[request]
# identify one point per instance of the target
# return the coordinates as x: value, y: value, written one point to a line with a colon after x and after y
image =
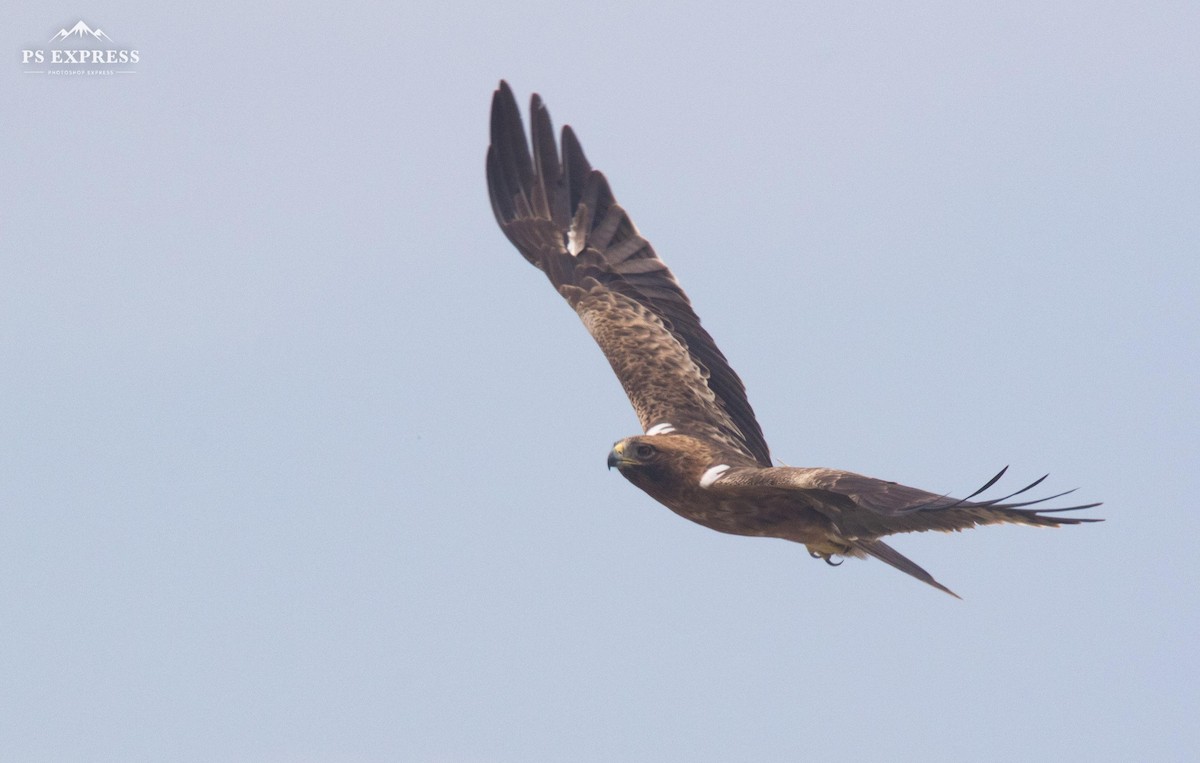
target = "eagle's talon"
x: 827, y: 558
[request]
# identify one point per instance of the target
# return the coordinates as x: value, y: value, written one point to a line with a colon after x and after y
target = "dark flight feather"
x: 562, y: 216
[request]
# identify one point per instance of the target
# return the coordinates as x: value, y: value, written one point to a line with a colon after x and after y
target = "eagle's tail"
x: 885, y: 553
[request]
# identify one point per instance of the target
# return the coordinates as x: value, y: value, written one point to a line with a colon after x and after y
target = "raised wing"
x: 561, y: 215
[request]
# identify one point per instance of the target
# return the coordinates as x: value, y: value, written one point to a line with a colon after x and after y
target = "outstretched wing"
x: 860, y: 510
x: 867, y: 508
x: 561, y: 215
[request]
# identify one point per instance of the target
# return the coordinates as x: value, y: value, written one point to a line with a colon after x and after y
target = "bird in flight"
x: 701, y: 453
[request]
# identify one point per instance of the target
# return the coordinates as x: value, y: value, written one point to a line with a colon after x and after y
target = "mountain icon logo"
x: 80, y: 30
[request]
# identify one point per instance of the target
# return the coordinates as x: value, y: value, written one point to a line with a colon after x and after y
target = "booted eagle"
x: 702, y: 453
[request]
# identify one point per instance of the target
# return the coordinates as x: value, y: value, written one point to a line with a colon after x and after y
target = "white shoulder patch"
x: 663, y: 428
x: 713, y: 474
x: 574, y: 241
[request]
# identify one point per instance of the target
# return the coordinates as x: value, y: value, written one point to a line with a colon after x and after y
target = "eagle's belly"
x: 765, y: 519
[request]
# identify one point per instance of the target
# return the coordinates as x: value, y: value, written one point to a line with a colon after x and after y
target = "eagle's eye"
x: 643, y: 450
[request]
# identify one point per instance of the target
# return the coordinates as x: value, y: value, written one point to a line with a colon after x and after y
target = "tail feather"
x: 885, y: 553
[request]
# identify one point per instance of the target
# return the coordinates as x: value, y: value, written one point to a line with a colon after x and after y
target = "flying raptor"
x: 702, y: 453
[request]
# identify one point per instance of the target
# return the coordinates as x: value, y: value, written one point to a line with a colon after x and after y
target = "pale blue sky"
x: 302, y: 461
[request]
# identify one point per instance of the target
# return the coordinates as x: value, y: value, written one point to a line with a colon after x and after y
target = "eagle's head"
x: 661, y: 464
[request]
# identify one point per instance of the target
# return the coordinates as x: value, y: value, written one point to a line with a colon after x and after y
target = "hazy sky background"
x: 302, y: 461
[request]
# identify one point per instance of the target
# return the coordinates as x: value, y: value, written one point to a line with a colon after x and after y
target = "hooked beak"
x: 616, y: 456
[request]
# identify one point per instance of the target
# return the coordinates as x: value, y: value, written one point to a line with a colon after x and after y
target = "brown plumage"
x: 703, y: 454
